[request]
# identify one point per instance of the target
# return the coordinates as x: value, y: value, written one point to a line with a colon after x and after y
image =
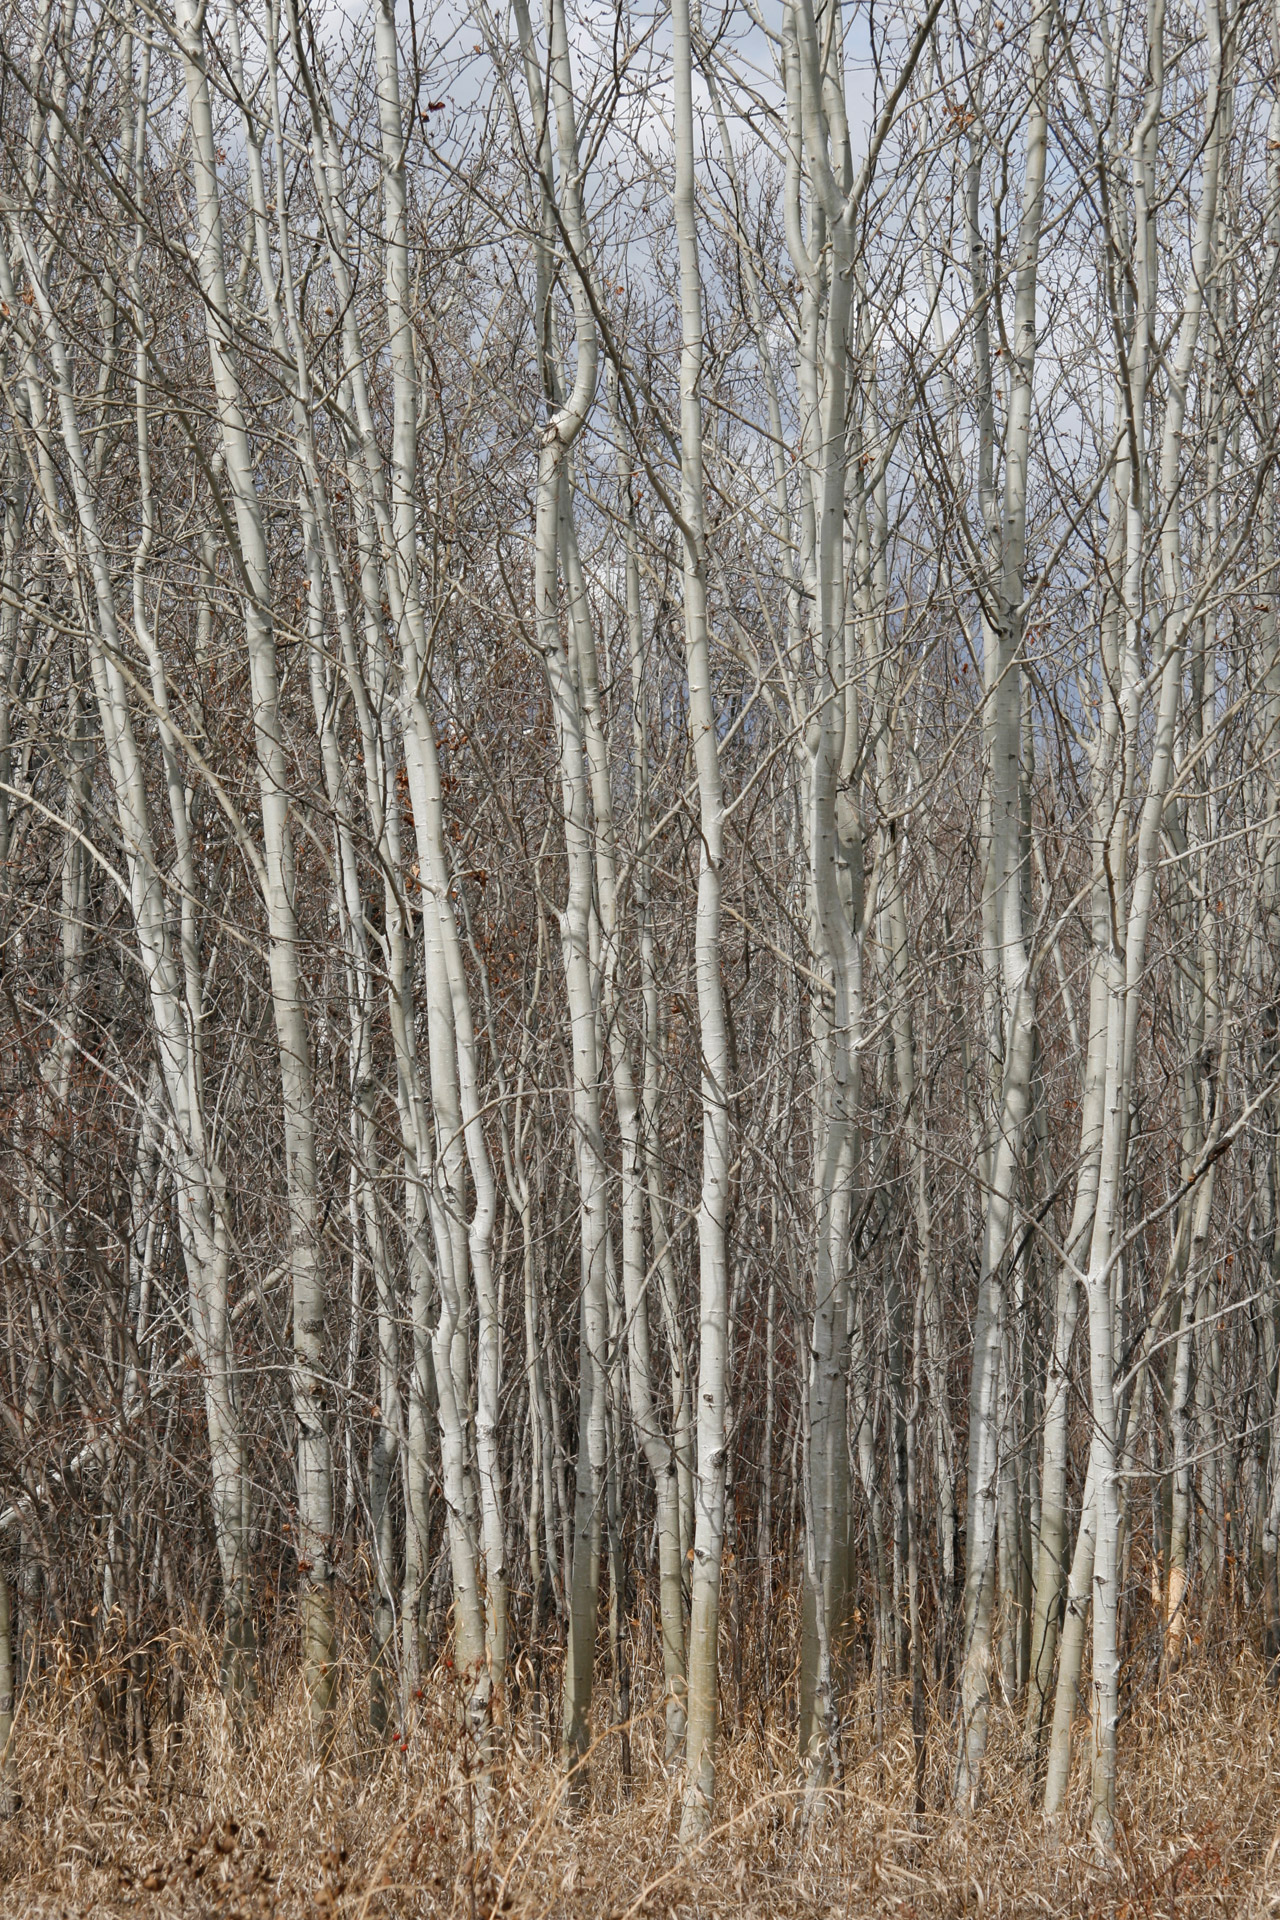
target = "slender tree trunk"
x: 713, y: 1285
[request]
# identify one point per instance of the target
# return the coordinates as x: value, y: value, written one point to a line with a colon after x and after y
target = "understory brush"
x: 247, y: 1822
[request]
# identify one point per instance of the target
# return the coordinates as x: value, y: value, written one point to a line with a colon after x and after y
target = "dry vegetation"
x: 241, y: 1827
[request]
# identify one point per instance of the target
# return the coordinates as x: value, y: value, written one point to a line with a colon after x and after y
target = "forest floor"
x: 241, y: 1828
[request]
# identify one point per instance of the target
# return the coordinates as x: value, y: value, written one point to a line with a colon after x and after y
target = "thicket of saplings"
x: 640, y: 956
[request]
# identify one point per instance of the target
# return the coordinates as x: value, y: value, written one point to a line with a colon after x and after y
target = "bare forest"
x: 639, y: 957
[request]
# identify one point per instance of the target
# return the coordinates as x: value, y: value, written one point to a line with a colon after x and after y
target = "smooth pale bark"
x: 437, y: 1206
x: 557, y: 141
x: 1051, y: 1566
x: 1103, y: 1462
x: 314, y: 1464
x: 1071, y: 1654
x: 638, y: 1124
x: 830, y: 771
x: 173, y: 988
x: 1181, y: 1415
x: 713, y: 1284
x: 1052, y: 1541
x: 863, y: 1390
x: 836, y: 925
x: 927, y: 1352
x: 659, y: 1449
x: 1011, y: 975
x: 1191, y: 825
x: 540, y: 1522
x: 1122, y: 970
x: 425, y: 789
x: 318, y: 539
x: 434, y: 1205
x: 1173, y: 630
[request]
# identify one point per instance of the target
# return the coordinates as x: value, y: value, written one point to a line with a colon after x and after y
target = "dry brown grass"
x: 247, y: 1826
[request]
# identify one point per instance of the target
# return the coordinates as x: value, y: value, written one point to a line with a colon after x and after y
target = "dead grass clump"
x: 246, y: 1824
